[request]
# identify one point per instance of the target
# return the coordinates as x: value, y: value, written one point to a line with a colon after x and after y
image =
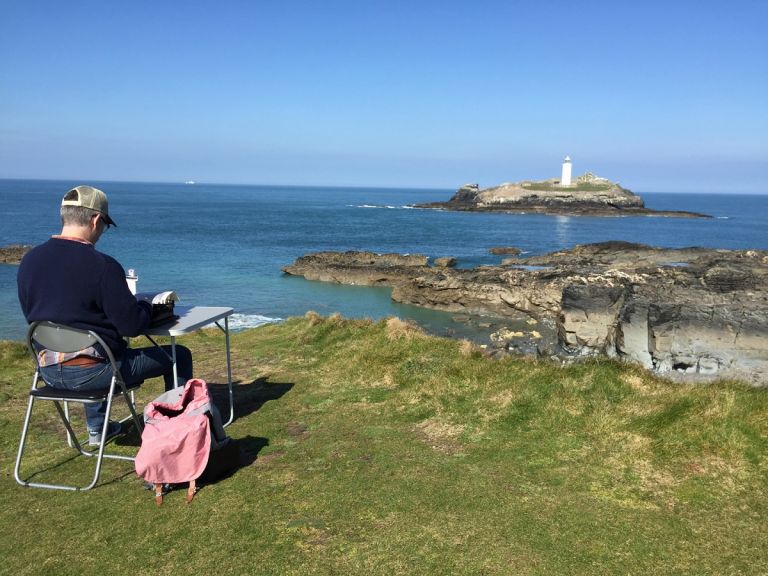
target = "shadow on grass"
x: 248, y: 398
x: 247, y: 450
x: 61, y: 463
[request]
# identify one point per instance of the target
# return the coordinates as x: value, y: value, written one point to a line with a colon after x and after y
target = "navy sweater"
x: 72, y: 283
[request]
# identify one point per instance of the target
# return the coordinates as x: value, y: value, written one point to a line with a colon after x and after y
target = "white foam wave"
x: 239, y: 322
x: 387, y: 206
x: 723, y: 218
x: 243, y: 321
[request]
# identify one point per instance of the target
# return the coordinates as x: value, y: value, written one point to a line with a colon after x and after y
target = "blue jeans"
x: 135, y: 365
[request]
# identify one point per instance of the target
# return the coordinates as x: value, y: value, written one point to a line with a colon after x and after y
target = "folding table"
x: 191, y: 319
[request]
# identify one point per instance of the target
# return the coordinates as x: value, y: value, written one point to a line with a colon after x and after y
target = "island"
x: 690, y: 312
x: 586, y: 195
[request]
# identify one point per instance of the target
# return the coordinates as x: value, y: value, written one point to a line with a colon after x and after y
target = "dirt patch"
x: 296, y: 430
x: 442, y: 436
x: 269, y: 458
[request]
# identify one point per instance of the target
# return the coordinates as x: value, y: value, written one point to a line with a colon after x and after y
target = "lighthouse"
x: 565, y: 180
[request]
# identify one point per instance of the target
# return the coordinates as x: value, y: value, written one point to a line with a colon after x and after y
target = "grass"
x: 370, y: 448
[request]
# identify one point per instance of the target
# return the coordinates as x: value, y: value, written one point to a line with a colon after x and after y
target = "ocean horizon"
x: 225, y: 244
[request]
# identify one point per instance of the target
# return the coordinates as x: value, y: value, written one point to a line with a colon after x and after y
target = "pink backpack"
x: 181, y: 428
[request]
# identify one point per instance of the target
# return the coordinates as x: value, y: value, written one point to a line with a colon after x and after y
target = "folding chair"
x: 60, y: 338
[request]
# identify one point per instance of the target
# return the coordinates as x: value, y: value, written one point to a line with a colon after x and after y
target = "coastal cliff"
x: 588, y: 196
x: 690, y: 312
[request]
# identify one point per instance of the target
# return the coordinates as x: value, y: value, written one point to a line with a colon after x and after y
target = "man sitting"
x: 67, y: 281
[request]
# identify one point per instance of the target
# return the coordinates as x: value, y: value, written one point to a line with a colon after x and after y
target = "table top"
x: 191, y: 318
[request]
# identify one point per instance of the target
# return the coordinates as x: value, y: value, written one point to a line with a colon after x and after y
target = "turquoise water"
x: 225, y: 245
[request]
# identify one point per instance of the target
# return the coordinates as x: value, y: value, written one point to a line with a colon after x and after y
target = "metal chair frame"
x: 61, y: 338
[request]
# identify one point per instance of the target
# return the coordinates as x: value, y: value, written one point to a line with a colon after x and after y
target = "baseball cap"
x: 91, y: 198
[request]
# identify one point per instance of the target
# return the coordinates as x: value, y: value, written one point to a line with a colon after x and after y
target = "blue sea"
x: 225, y: 245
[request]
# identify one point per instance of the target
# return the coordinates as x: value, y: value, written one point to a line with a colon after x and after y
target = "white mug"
x: 133, y: 280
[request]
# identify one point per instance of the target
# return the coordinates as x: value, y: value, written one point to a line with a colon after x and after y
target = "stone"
x: 505, y: 250
x: 445, y: 262
x: 356, y: 268
x: 13, y: 253
x: 691, y: 312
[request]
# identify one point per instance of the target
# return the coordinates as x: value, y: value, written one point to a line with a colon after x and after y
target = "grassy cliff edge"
x: 371, y: 448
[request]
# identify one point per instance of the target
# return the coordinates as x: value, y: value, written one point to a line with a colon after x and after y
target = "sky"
x: 661, y: 96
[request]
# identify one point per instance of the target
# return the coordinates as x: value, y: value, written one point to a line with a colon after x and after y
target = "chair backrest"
x: 61, y: 338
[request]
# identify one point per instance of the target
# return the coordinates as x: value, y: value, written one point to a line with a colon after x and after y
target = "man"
x: 66, y: 280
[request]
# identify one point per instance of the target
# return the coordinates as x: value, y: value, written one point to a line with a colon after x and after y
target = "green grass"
x: 372, y: 449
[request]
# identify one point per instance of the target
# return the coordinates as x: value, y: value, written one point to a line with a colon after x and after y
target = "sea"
x: 225, y: 245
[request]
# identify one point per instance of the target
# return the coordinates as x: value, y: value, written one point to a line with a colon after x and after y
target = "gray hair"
x: 75, y: 215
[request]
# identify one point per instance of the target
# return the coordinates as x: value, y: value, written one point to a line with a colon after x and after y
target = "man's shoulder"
x: 36, y: 252
x: 59, y: 248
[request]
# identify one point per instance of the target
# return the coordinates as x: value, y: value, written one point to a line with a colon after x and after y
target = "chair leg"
x: 100, y: 455
x: 132, y: 407
x: 22, y: 442
x: 70, y: 438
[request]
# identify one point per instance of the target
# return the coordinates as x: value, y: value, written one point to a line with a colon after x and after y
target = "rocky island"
x: 587, y: 195
x: 690, y: 312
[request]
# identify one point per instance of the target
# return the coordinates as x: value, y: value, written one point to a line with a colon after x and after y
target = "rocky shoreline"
x: 13, y: 253
x: 695, y: 313
x: 588, y: 199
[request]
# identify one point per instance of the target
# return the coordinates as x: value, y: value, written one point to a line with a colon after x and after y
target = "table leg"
x: 173, y: 357
x: 229, y: 373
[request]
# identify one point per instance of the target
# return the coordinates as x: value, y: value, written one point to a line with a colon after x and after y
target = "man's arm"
x: 129, y: 316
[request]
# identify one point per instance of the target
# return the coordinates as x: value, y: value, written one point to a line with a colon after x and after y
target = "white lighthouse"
x: 565, y: 180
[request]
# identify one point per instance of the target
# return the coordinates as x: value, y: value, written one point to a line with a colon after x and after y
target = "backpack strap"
x: 191, y: 491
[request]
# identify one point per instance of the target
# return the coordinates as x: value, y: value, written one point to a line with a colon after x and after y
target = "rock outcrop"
x: 445, y: 262
x: 687, y: 312
x: 588, y: 196
x: 13, y: 253
x: 357, y: 268
x: 504, y: 250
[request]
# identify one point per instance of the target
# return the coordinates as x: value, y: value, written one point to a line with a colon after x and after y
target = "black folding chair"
x: 60, y: 338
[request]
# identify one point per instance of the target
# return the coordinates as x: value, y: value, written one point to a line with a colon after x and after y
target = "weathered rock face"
x: 688, y: 312
x: 445, y: 262
x: 467, y: 193
x: 587, y: 198
x: 684, y: 322
x: 360, y: 268
x: 504, y: 250
x: 611, y: 195
x: 13, y: 254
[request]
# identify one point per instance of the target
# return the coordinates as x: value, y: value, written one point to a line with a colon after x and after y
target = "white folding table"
x: 191, y: 319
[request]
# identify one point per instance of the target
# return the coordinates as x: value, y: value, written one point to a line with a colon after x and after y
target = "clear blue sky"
x: 659, y: 95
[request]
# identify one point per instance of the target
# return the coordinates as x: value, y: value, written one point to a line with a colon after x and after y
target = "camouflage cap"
x: 91, y: 198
